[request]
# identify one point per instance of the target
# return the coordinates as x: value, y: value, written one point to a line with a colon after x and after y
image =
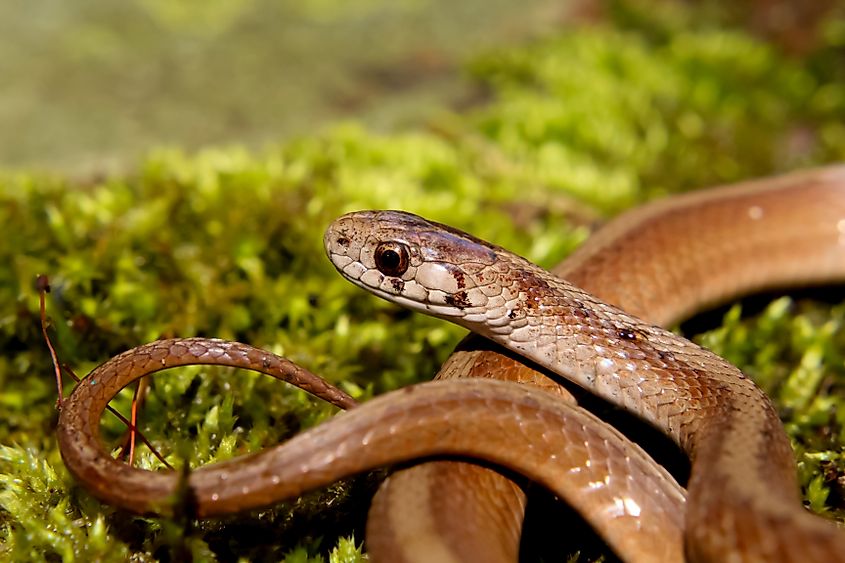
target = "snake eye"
x: 392, y: 258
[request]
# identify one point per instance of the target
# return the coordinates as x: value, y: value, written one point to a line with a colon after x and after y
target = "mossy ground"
x: 226, y: 242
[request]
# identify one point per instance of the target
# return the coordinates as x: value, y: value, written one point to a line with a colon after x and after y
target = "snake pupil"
x: 392, y: 259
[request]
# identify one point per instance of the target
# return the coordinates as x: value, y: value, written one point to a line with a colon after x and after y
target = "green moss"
x: 794, y: 351
x: 228, y: 243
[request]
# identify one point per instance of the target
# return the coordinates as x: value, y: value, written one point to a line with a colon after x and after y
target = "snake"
x: 678, y: 255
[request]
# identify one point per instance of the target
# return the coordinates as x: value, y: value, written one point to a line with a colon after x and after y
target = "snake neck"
x: 721, y: 419
x: 676, y: 385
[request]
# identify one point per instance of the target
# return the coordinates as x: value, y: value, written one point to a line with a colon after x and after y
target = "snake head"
x: 409, y: 260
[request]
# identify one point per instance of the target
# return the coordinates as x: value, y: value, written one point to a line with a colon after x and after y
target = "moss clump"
x: 228, y: 243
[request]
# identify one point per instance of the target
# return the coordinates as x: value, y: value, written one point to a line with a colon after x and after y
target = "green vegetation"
x: 227, y: 243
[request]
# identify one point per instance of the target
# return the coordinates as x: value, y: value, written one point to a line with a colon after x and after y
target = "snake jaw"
x: 408, y: 293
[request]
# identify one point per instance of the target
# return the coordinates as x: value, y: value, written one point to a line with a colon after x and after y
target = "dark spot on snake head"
x: 342, y: 241
x: 512, y: 314
x: 626, y: 334
x: 459, y: 300
x: 398, y: 284
x: 459, y: 279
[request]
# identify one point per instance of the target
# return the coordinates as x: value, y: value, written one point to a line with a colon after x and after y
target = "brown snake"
x: 742, y: 500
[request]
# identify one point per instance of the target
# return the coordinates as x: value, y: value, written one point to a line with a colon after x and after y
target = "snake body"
x: 660, y: 262
x: 742, y: 495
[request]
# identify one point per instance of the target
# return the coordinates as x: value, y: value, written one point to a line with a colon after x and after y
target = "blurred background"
x: 93, y: 83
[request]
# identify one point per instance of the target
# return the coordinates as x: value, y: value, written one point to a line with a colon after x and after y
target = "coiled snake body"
x: 742, y: 500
